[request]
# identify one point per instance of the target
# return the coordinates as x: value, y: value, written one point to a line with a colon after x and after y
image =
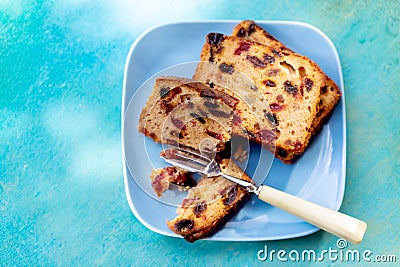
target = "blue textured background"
x: 62, y: 200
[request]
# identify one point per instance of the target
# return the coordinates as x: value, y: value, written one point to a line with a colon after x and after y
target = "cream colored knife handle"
x: 334, y: 222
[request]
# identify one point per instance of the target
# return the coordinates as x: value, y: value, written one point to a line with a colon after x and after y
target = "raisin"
x: 241, y: 32
x: 164, y: 92
x: 211, y: 58
x: 281, y: 152
x: 269, y: 59
x: 211, y: 84
x: 272, y: 118
x: 207, y: 93
x: 198, y: 117
x: 189, y: 105
x: 166, y: 106
x: 290, y: 88
x: 177, y: 122
x: 226, y: 68
x: 231, y: 196
x: 258, y: 63
x: 249, y: 133
x: 215, y: 38
x: 267, y: 135
x: 243, y: 46
x: 184, y: 180
x: 254, y: 87
x: 270, y: 83
x: 276, y: 107
x: 183, y: 225
x: 251, y: 29
x: 324, y: 89
x: 174, y: 133
x: 199, y: 208
x: 276, y: 53
x: 236, y: 120
x: 219, y: 113
x: 212, y: 105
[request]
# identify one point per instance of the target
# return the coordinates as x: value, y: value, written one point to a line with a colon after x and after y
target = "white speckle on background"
x: 115, y: 18
x: 86, y: 145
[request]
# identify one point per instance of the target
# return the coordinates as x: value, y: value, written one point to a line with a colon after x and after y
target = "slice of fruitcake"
x: 330, y: 93
x: 289, y: 82
x: 210, y: 204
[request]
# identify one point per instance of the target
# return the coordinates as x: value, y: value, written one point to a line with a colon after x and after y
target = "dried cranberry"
x: 243, y: 46
x: 174, y: 91
x: 308, y: 84
x: 188, y: 201
x: 177, y: 122
x: 158, y: 185
x: 267, y: 135
x: 269, y: 59
x: 276, y: 107
x: 199, y: 208
x: 231, y: 196
x: 183, y: 225
x: 272, y: 118
x: 241, y: 32
x: 280, y: 98
x: 270, y: 83
x: 207, y: 93
x: 215, y: 38
x: 226, y: 68
x: 273, y: 72
x: 227, y: 99
x: 290, y: 88
x: 166, y: 106
x: 258, y: 63
x: 169, y: 153
x: 298, y: 145
x: 215, y: 135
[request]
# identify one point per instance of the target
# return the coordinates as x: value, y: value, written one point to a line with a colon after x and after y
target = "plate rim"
x: 125, y: 103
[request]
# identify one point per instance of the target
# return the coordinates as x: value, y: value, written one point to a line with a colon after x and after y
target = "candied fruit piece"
x: 183, y: 225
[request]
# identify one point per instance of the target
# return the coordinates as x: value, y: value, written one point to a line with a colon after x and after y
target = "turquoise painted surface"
x: 62, y: 199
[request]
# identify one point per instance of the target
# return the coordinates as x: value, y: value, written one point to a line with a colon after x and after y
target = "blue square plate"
x: 318, y: 176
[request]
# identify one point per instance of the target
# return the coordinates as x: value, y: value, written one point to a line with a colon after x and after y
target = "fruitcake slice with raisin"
x: 210, y: 204
x: 195, y: 114
x: 330, y: 93
x: 289, y: 82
